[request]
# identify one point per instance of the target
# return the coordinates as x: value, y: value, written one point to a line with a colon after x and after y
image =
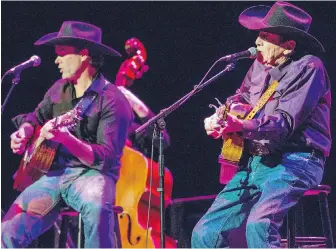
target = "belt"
x: 258, y: 149
x: 313, y: 151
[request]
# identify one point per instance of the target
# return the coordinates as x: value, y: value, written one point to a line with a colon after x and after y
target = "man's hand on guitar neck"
x: 215, y: 127
x: 20, y: 138
x: 79, y: 148
x: 49, y: 132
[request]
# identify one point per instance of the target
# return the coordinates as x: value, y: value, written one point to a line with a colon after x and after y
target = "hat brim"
x: 253, y: 19
x: 53, y: 39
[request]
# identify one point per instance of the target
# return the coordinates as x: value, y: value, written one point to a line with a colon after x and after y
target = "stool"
x: 67, y: 212
x: 321, y: 191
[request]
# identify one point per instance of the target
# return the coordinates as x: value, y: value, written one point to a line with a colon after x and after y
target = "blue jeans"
x: 86, y: 190
x: 257, y: 211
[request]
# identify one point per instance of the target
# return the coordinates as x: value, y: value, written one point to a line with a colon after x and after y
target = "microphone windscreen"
x: 36, y: 59
x: 253, y: 52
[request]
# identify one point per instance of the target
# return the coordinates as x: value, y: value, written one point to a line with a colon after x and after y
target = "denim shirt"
x: 104, y: 125
x: 298, y: 113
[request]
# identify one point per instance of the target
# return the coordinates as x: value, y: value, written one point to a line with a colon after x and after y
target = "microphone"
x: 250, y: 53
x: 34, y: 61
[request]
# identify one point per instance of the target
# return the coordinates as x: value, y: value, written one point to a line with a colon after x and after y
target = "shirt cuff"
x: 249, y: 128
x: 98, y: 154
x: 24, y: 118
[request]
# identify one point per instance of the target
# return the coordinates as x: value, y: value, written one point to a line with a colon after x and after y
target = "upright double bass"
x: 133, y: 190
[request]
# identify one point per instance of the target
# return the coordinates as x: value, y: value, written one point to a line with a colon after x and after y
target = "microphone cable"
x: 150, y: 186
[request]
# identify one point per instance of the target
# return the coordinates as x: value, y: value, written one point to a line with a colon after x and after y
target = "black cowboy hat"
x: 78, y: 33
x: 282, y: 18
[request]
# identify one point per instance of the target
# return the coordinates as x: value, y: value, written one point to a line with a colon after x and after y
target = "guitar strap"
x: 84, y: 104
x: 263, y: 100
x: 88, y: 98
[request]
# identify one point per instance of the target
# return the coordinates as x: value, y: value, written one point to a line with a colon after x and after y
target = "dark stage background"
x: 183, y: 39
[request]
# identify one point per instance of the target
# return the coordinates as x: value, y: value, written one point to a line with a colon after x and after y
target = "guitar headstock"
x: 221, y: 109
x: 133, y: 67
x: 240, y: 110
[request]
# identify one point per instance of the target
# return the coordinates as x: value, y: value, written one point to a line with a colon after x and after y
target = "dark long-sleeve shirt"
x: 298, y: 114
x: 104, y: 125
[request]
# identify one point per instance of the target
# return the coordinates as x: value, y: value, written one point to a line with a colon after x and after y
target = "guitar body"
x: 233, y: 145
x: 229, y: 158
x: 36, y: 161
x: 40, y: 153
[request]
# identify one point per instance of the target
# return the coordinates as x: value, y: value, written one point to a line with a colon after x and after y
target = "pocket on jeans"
x: 305, y: 159
x: 306, y: 165
x: 317, y: 159
x: 297, y: 156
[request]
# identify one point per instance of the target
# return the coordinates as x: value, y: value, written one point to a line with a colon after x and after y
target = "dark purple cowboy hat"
x: 78, y: 33
x: 282, y: 18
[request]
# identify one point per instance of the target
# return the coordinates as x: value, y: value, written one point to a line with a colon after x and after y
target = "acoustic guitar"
x: 40, y: 153
x: 233, y: 144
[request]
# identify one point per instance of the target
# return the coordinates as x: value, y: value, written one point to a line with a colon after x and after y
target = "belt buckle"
x: 259, y: 150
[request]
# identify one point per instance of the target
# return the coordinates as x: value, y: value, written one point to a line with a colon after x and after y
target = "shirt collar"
x: 278, y: 72
x: 98, y: 84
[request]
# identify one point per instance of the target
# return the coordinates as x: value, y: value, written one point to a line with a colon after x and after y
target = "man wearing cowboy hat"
x: 288, y: 139
x: 86, y: 166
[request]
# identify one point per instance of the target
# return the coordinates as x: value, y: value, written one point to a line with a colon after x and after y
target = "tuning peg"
x: 220, y: 103
x: 213, y: 106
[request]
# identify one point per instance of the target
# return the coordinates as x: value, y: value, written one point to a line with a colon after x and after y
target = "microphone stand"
x: 160, y: 125
x: 15, y: 81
